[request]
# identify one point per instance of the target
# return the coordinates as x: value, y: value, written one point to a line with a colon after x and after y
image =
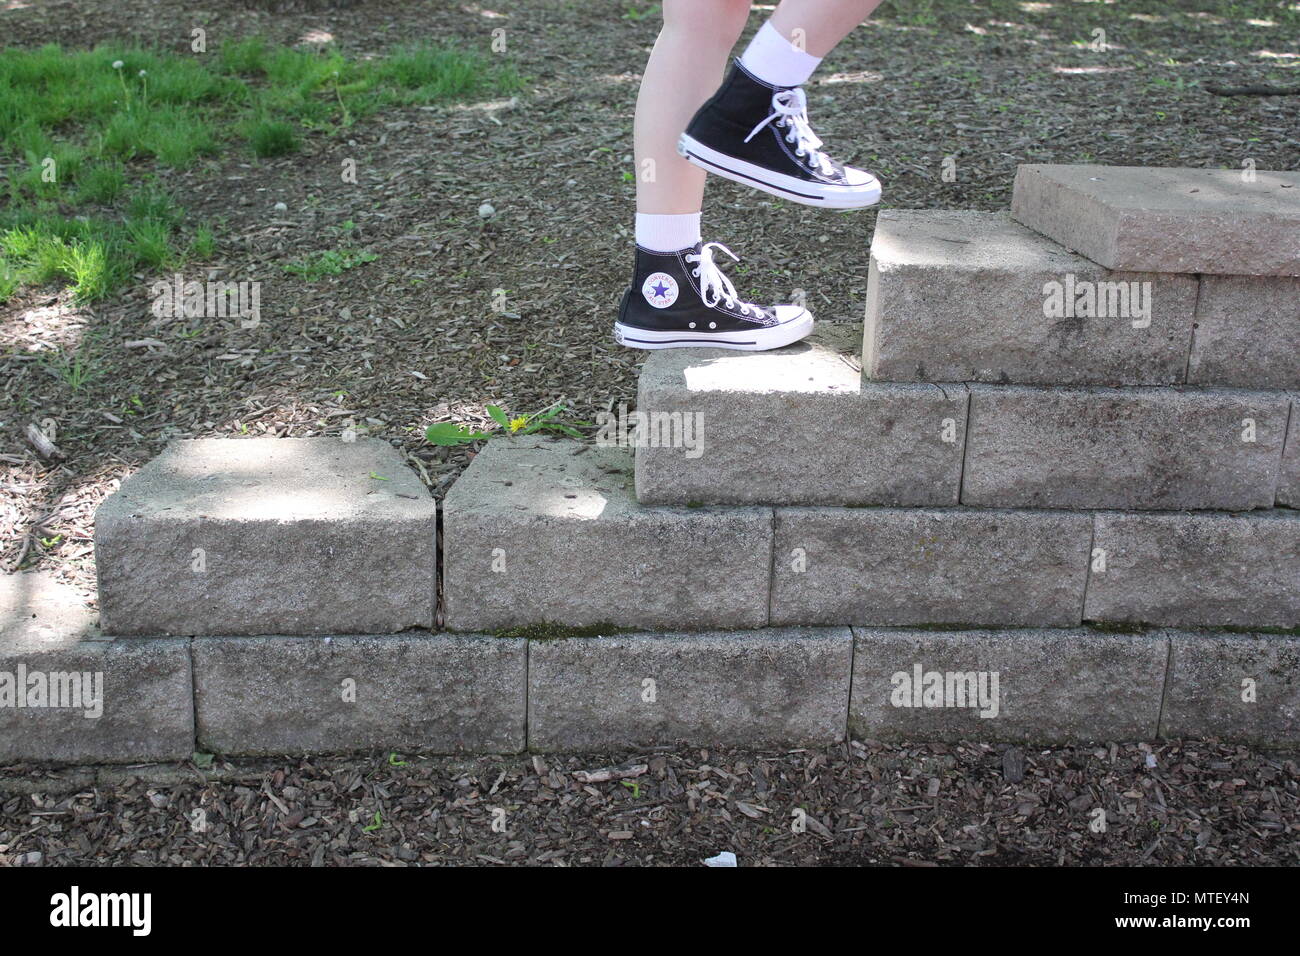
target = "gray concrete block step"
x: 797, y: 426
x: 268, y: 536
x: 957, y: 296
x: 1217, y: 221
x: 760, y: 687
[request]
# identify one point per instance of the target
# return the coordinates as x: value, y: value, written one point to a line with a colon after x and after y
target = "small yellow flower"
x: 518, y: 423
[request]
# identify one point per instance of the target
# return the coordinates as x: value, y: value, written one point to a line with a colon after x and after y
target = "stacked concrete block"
x: 543, y: 531
x: 794, y: 426
x: 1199, y: 570
x: 1288, y: 483
x: 68, y: 694
x: 268, y: 536
x: 1146, y: 448
x: 779, y: 686
x: 1018, y: 685
x: 929, y: 566
x: 1234, y: 686
x: 443, y: 693
x: 977, y: 297
x: 1214, y: 221
x: 1247, y: 332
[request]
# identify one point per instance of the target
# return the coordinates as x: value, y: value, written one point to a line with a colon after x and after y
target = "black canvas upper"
x: 741, y: 103
x: 689, y: 305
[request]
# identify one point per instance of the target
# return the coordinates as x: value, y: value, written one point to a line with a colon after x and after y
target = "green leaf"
x: 498, y: 416
x: 451, y: 433
x: 546, y: 414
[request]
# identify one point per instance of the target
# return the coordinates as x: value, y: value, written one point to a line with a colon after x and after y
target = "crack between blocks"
x: 194, y: 697
x: 1292, y: 399
x: 1164, y: 690
x: 439, y: 616
x: 771, y: 569
x: 1087, y: 570
x: 1191, y: 339
x: 965, y: 444
x: 528, y: 680
x: 848, y: 705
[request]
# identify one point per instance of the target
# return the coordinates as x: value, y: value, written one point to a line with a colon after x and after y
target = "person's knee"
x: 716, y: 21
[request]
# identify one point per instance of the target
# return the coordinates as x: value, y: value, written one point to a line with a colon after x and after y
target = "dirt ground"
x: 1171, y: 804
x: 412, y: 338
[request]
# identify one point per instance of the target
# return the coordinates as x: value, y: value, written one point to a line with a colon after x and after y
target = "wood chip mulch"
x: 1184, y: 803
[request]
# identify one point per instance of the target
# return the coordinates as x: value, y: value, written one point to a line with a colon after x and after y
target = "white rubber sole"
x: 758, y: 340
x: 778, y: 184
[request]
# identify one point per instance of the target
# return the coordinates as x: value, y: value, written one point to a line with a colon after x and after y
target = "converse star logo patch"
x: 660, y: 290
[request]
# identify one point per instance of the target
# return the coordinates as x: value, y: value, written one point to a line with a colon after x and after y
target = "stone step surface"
x: 268, y: 536
x: 1213, y: 570
x: 542, y: 531
x: 68, y: 694
x: 929, y: 566
x: 794, y: 426
x: 1017, y: 685
x: 1141, y: 448
x: 1144, y: 219
x: 774, y: 687
x: 977, y: 297
x: 442, y: 693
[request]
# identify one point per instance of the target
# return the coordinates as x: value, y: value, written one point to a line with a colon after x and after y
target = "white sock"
x: 667, y: 233
x: 775, y: 60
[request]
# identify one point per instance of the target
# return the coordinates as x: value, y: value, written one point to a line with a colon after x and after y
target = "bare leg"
x: 822, y: 23
x: 684, y: 70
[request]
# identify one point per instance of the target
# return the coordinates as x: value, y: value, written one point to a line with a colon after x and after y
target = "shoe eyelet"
x: 695, y: 272
x: 691, y: 325
x: 713, y: 325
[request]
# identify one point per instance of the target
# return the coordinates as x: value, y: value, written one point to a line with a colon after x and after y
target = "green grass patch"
x: 332, y: 262
x: 100, y: 185
x: 272, y: 138
x: 77, y: 368
x: 204, y: 244
x: 9, y: 281
x: 83, y: 132
x: 93, y: 255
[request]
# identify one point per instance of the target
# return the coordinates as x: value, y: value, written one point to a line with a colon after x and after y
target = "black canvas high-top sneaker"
x: 758, y: 134
x: 682, y: 300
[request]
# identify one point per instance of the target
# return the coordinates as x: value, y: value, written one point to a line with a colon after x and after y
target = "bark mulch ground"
x: 1175, y: 803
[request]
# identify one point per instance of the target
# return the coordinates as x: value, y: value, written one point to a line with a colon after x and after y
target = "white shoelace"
x: 790, y: 108
x: 713, y: 282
